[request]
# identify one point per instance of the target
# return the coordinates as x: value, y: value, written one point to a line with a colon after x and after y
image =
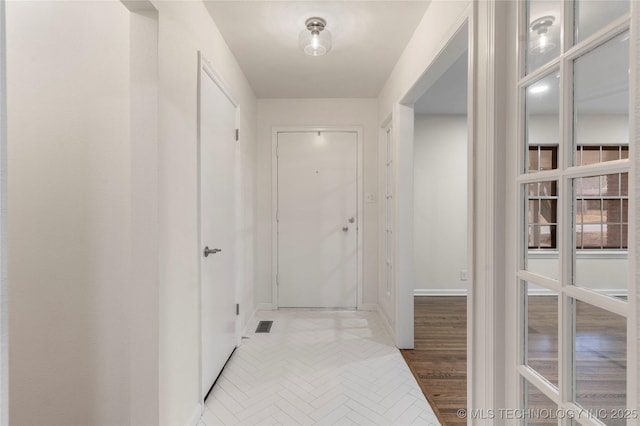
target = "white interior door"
x: 217, y: 224
x: 317, y: 219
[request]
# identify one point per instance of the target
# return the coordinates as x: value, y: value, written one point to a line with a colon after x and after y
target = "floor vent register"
x: 264, y: 326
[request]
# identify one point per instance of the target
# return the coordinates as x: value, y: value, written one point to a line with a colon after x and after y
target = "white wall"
x: 440, y: 203
x: 316, y: 112
x: 69, y: 212
x: 73, y: 341
x: 595, y: 129
x: 185, y: 28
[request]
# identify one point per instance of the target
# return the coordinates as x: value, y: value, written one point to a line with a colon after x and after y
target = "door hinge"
x: 237, y: 309
x: 237, y: 134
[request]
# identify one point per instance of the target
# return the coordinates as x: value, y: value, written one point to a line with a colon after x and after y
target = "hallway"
x: 317, y: 367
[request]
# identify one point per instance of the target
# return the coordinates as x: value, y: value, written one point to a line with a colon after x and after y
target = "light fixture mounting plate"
x: 315, y: 24
x: 542, y: 24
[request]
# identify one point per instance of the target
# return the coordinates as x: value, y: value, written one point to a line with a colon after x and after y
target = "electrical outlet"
x: 463, y: 275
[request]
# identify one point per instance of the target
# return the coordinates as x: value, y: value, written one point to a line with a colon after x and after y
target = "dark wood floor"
x: 439, y: 360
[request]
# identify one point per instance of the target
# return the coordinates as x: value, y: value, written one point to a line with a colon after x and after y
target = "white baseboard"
x: 264, y: 307
x: 614, y: 293
x: 196, y: 416
x: 532, y: 292
x: 387, y: 325
x: 245, y: 330
x: 440, y: 292
x: 368, y: 307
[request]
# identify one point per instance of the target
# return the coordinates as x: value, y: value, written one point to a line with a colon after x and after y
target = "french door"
x: 577, y: 358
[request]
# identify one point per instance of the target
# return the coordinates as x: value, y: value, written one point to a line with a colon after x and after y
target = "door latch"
x: 208, y: 251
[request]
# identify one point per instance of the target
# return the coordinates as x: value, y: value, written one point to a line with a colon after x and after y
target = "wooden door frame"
x: 206, y: 69
x: 274, y: 202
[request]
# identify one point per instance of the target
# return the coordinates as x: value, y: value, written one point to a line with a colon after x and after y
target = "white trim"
x: 421, y: 292
x: 403, y: 129
x: 359, y: 201
x: 205, y: 65
x: 580, y: 254
x: 633, y: 317
x: 386, y: 324
x: 4, y: 300
x: 372, y: 307
x: 550, y: 292
x: 488, y: 385
x: 245, y: 329
x: 265, y: 307
x: 196, y: 414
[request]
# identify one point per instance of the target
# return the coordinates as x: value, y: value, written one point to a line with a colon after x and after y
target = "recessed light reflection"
x: 538, y: 88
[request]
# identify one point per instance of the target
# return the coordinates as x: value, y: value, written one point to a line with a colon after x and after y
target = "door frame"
x: 4, y: 299
x: 205, y: 69
x: 402, y: 125
x: 274, y: 202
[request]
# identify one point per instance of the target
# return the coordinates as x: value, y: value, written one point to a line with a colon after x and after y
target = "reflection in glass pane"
x: 543, y: 37
x: 601, y: 208
x: 601, y: 214
x: 542, y: 228
x: 600, y: 360
x: 542, y: 120
x: 593, y: 15
x: 601, y: 103
x: 542, y: 331
x: 542, y: 409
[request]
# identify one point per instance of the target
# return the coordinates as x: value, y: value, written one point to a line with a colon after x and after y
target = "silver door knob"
x: 208, y: 251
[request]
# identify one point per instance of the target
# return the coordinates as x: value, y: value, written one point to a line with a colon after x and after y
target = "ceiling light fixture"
x: 315, y: 40
x: 541, y: 44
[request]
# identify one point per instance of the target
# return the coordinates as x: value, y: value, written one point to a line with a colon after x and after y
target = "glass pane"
x: 541, y: 256
x: 543, y: 37
x: 601, y: 213
x: 601, y: 103
x: 541, y: 410
x: 593, y: 15
x: 542, y: 331
x: 600, y: 361
x: 542, y: 123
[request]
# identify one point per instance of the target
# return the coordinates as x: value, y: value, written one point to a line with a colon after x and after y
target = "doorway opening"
x: 441, y: 209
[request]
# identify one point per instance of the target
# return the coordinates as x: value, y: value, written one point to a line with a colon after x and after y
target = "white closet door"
x: 217, y: 225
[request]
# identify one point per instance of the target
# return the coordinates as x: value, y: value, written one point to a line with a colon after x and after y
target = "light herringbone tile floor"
x: 317, y: 367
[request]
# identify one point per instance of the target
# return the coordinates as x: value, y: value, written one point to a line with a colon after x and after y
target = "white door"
x: 217, y: 224
x: 317, y: 219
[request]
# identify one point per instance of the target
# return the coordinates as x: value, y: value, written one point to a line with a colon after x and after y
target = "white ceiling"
x: 368, y: 38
